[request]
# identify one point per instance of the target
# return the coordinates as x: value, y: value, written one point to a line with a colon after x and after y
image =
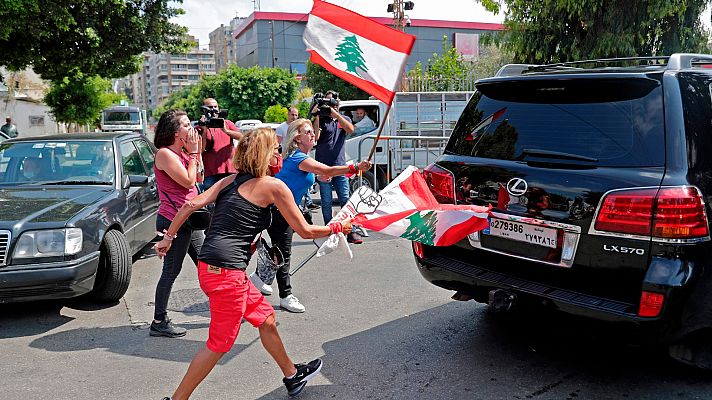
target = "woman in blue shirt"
x: 298, y: 172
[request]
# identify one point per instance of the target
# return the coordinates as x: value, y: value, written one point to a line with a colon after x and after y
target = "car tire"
x: 694, y: 350
x: 368, y: 181
x: 114, y: 272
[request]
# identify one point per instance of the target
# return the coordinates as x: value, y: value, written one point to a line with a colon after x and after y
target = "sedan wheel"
x: 114, y: 273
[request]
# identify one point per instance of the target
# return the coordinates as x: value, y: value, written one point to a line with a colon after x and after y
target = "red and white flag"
x: 406, y: 208
x: 357, y: 49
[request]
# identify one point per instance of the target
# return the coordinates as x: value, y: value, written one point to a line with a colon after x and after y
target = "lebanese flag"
x: 357, y: 49
x: 406, y: 208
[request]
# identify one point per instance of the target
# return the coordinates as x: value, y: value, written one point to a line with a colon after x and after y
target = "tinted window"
x: 605, y: 121
x: 57, y: 161
x: 146, y: 154
x: 131, y: 160
x: 119, y: 117
x: 696, y: 89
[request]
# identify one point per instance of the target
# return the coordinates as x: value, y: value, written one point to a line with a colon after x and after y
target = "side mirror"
x: 134, y: 180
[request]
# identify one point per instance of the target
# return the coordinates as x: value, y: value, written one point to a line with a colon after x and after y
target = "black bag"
x: 198, y: 220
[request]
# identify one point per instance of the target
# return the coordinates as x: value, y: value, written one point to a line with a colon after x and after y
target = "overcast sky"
x: 203, y: 16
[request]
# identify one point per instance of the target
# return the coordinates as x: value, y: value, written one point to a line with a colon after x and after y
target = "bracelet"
x: 352, y: 167
x: 336, y: 227
x: 168, y: 236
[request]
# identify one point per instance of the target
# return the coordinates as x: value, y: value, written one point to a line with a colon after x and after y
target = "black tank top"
x: 235, y: 224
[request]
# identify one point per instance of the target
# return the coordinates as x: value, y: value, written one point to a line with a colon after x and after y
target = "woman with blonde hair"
x: 242, y: 210
x: 298, y: 170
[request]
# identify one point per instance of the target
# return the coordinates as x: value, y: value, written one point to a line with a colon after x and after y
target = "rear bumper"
x: 49, y: 280
x: 457, y: 275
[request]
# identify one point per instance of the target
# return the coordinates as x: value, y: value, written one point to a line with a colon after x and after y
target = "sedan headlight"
x: 49, y: 243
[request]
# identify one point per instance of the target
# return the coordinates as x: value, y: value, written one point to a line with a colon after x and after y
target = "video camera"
x: 325, y: 104
x: 213, y: 117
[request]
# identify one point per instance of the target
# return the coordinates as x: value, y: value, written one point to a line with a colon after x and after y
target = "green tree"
x: 444, y: 71
x: 321, y: 80
x: 245, y: 93
x: 567, y: 30
x: 275, y: 113
x: 60, y: 38
x: 350, y: 53
x: 79, y: 99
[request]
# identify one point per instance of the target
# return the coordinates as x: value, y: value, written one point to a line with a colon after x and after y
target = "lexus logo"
x: 517, y: 186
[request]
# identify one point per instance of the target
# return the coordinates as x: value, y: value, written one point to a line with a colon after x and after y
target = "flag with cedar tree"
x: 357, y: 49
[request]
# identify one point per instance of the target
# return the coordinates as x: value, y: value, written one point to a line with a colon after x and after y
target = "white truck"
x: 414, y: 133
x: 123, y: 118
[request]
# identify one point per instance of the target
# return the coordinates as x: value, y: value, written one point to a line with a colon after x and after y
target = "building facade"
x: 222, y: 43
x: 274, y: 39
x: 162, y: 74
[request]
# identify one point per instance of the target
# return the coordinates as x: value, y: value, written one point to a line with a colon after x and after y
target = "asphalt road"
x: 382, y: 331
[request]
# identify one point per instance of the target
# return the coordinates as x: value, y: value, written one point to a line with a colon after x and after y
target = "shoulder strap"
x: 240, y: 178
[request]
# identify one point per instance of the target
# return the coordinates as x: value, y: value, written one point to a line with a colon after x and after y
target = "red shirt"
x: 218, y: 159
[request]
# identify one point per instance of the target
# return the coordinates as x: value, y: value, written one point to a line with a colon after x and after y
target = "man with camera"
x: 331, y: 130
x: 217, y: 134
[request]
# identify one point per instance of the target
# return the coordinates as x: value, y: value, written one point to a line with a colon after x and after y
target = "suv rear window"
x: 601, y: 122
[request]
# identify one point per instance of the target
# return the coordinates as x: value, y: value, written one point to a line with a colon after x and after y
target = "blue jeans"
x: 341, y: 184
x: 210, y: 181
x: 186, y: 242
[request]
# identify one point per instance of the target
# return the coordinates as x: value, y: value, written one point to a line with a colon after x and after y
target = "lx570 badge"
x: 621, y: 249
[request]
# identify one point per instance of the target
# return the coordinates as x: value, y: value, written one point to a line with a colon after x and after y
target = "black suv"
x: 600, y: 193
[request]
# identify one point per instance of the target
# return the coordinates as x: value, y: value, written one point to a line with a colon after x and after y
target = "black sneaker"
x: 305, y: 372
x: 354, y: 238
x: 313, y: 206
x: 167, y: 329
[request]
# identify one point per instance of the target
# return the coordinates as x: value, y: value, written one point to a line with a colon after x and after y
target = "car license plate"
x: 518, y: 231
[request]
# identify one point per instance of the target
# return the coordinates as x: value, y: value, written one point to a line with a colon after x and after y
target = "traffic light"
x: 408, y: 5
x: 390, y: 8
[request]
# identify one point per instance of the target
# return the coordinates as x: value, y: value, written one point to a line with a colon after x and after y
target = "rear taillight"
x: 418, y: 250
x: 650, y: 304
x: 668, y: 213
x: 680, y: 214
x: 441, y: 182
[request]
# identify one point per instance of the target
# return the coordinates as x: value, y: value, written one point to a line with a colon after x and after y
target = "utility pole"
x: 398, y: 8
x: 398, y: 14
x: 256, y: 4
x: 272, y: 40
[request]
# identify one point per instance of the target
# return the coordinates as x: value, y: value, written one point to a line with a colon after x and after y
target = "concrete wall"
x: 31, y: 118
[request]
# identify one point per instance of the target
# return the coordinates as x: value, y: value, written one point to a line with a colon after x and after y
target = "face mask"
x: 274, y: 169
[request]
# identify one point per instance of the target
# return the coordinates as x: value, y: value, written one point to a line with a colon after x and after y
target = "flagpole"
x: 380, y: 129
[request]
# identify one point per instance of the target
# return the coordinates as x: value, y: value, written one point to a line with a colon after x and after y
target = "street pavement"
x: 382, y: 331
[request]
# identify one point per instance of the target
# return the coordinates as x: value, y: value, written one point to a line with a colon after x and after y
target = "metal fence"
x: 439, y: 83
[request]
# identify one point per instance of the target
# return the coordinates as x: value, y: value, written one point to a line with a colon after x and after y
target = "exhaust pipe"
x: 501, y: 300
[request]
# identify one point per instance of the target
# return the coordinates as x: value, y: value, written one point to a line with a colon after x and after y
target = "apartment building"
x: 162, y: 74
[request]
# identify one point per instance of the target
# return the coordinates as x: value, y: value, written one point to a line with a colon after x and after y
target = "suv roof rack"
x: 675, y: 61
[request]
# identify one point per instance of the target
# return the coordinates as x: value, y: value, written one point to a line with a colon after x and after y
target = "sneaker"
x: 305, y: 372
x: 264, y: 288
x: 166, y: 329
x: 291, y: 303
x: 313, y: 206
x: 354, y: 238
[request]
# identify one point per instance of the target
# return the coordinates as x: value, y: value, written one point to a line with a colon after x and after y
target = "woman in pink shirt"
x: 177, y: 169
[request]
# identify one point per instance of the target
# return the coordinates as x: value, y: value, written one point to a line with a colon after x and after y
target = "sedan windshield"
x: 52, y: 162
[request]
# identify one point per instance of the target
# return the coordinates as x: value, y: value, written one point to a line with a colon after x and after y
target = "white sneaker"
x: 291, y: 303
x: 264, y: 288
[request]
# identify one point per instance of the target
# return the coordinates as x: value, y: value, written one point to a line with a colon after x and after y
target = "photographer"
x: 331, y: 130
x: 217, y: 143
